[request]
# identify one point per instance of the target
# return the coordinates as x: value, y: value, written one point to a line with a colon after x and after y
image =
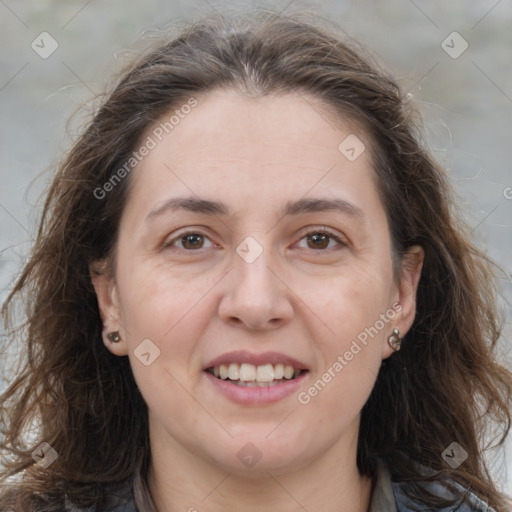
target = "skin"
x: 310, y: 303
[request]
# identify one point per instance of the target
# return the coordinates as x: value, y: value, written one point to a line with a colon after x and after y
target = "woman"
x: 249, y: 292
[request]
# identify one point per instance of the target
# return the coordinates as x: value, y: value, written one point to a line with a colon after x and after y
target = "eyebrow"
x: 291, y: 208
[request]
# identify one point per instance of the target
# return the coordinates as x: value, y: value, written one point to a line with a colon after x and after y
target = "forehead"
x: 271, y: 145
x: 293, y: 116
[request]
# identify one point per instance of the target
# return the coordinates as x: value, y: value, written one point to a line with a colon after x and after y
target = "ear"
x: 109, y: 306
x: 405, y: 294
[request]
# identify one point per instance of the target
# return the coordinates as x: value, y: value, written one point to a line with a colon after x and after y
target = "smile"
x: 250, y: 375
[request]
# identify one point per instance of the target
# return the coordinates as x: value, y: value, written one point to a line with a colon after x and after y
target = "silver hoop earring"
x: 394, y: 340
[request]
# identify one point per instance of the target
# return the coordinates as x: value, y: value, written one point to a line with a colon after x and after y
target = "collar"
x: 383, y: 498
x: 389, y: 496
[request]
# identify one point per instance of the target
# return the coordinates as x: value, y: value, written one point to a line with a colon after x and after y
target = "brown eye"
x: 318, y: 240
x: 321, y: 239
x: 189, y: 241
x: 192, y: 241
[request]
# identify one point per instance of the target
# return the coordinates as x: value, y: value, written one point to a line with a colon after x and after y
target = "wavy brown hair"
x: 444, y: 385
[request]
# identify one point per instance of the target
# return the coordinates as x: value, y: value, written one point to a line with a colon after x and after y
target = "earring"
x: 114, y: 336
x: 394, y: 340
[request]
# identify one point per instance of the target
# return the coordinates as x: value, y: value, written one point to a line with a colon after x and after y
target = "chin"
x: 254, y: 457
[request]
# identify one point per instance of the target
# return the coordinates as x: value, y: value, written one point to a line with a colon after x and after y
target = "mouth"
x: 249, y: 375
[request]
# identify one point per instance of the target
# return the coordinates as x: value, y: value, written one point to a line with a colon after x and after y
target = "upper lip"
x: 243, y: 356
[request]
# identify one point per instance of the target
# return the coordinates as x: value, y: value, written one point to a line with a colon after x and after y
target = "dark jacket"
x: 387, y: 496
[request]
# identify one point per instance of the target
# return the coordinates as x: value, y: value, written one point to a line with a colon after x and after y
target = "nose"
x: 256, y: 295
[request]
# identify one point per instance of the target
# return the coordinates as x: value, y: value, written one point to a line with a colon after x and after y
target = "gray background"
x: 466, y: 101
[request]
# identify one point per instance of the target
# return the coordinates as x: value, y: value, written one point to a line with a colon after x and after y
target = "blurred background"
x: 454, y: 57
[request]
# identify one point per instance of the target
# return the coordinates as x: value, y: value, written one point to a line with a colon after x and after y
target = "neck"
x: 182, y: 481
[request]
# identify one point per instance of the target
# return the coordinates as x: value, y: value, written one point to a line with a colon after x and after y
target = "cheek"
x: 354, y: 308
x: 336, y: 398
x: 152, y: 326
x: 353, y: 299
x: 350, y: 350
x: 158, y: 299
x: 169, y: 311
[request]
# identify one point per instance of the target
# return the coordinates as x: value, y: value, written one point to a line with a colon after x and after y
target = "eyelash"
x: 341, y: 243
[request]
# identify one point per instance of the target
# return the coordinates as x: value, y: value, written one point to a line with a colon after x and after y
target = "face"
x: 289, y: 266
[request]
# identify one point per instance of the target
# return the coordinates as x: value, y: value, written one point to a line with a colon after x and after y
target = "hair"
x: 444, y: 385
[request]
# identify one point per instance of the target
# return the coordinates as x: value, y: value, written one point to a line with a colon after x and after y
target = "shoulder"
x: 122, y: 501
x: 390, y: 496
x: 471, y: 503
x: 117, y: 501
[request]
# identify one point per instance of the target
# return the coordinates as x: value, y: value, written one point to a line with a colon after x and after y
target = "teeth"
x: 288, y: 372
x: 265, y: 373
x: 247, y: 372
x: 256, y: 384
x: 223, y: 370
x: 233, y: 371
x: 252, y: 375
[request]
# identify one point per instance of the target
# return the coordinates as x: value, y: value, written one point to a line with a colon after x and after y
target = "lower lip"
x: 256, y: 395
